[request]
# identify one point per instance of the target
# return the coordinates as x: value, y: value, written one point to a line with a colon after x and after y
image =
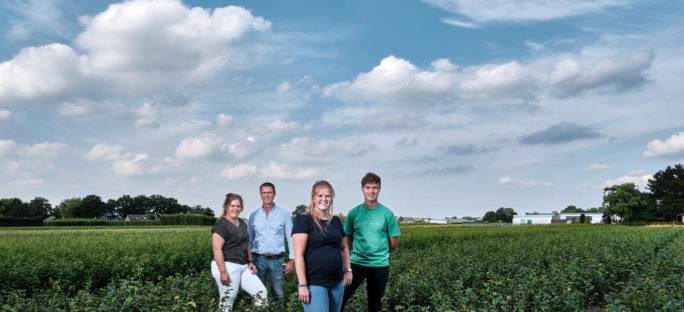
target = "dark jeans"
x: 275, y: 271
x: 376, y: 281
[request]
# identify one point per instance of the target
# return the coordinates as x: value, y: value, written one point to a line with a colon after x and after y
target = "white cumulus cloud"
x: 7, y: 146
x: 147, y: 116
x: 238, y: 172
x: 107, y: 153
x: 142, y: 46
x: 5, y: 116
x: 135, y: 166
x: 38, y: 72
x: 304, y: 149
x: 505, y: 80
x: 597, y: 167
x: 210, y: 146
x: 671, y: 147
x: 523, y: 11
x: 204, y: 146
x: 638, y: 177
x: 569, y: 77
x: 395, y: 80
x: 510, y: 180
x: 281, y: 171
x: 224, y: 120
x: 45, y: 149
x: 280, y: 126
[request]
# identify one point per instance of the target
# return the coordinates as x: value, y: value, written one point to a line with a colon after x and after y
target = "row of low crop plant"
x: 658, y: 284
x: 176, y: 219
x: 545, y: 268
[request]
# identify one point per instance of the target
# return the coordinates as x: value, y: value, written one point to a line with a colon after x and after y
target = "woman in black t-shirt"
x: 321, y: 254
x: 232, y: 267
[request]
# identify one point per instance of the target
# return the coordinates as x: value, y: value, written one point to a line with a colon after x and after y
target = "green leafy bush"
x: 186, y: 219
x: 18, y: 221
x: 98, y: 222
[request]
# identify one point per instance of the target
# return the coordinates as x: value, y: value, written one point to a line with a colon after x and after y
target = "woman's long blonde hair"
x: 312, y: 209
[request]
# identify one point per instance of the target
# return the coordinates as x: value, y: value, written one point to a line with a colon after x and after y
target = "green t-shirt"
x: 371, y: 229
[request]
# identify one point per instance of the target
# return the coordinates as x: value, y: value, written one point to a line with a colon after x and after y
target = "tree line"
x: 92, y: 207
x: 663, y: 201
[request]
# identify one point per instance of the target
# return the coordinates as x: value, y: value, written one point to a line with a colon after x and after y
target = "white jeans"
x: 240, y: 276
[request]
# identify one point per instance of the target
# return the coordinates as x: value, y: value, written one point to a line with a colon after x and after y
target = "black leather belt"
x: 268, y: 257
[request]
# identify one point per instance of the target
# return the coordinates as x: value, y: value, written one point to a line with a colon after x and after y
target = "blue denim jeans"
x: 325, y: 298
x: 275, y: 270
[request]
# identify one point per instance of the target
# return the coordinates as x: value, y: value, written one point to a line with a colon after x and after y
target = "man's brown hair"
x: 370, y: 178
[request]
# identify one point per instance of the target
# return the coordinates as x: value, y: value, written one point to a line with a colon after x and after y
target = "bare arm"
x: 299, y: 241
x: 346, y: 262
x: 217, y: 245
x: 289, y: 267
x: 350, y: 242
x: 251, y: 266
x: 393, y: 243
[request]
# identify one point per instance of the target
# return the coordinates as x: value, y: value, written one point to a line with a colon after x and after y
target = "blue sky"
x: 460, y: 106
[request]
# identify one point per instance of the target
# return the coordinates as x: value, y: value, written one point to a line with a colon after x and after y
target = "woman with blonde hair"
x: 321, y: 254
x: 232, y: 267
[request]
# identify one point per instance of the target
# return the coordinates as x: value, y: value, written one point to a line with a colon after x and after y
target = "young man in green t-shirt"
x: 371, y: 233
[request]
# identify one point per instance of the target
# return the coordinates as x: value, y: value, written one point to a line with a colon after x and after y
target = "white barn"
x: 533, y: 219
x: 545, y: 218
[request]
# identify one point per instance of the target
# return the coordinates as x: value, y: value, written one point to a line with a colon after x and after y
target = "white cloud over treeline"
x: 134, y: 48
x: 673, y: 146
x: 395, y: 81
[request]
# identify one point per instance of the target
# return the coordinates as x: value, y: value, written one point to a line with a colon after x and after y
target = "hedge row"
x: 186, y: 219
x: 17, y: 221
x: 97, y: 222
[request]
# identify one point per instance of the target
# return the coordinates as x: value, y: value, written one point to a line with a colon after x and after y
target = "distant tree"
x: 667, y: 189
x: 572, y: 209
x: 490, y: 216
x: 109, y: 210
x: 505, y: 214
x: 299, y: 210
x: 594, y: 210
x: 532, y: 213
x: 342, y: 217
x: 13, y: 207
x: 62, y: 208
x: 143, y: 204
x: 125, y: 205
x: 627, y: 202
x: 605, y: 219
x: 91, y: 206
x: 40, y: 207
x: 555, y: 215
x: 73, y: 208
x: 202, y: 211
x: 165, y: 205
x: 582, y: 218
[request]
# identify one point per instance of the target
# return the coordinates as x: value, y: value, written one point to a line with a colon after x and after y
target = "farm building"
x: 134, y: 217
x: 547, y: 218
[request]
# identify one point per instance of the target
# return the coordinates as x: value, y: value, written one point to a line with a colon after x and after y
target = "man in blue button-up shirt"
x: 269, y: 226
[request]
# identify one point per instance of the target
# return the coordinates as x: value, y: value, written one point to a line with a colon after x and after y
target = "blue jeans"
x: 275, y: 271
x: 327, y: 299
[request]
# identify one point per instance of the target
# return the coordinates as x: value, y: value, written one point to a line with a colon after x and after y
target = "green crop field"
x: 517, y: 268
